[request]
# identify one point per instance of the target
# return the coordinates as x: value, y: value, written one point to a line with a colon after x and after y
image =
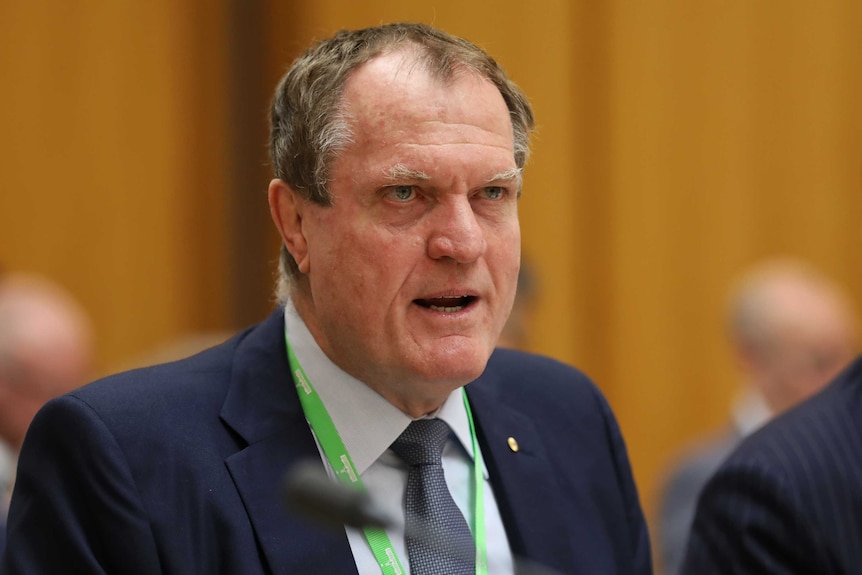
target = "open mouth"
x: 446, y: 304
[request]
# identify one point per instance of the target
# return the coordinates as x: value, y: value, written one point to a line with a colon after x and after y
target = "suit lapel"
x: 262, y: 407
x: 523, y: 480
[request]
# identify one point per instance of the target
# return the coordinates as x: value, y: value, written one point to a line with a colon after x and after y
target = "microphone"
x: 310, y: 492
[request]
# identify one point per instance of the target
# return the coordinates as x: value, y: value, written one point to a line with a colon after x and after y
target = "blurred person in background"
x: 792, y: 331
x: 46, y: 349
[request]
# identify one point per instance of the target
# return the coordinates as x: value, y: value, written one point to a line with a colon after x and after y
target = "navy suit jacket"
x: 789, y: 499
x: 178, y: 468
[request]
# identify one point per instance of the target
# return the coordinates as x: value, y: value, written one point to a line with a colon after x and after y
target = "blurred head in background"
x: 46, y: 349
x: 793, y: 330
x: 516, y: 332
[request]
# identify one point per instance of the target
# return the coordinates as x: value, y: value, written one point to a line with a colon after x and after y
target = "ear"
x: 286, y: 207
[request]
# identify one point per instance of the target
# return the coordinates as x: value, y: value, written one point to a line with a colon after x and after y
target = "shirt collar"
x: 750, y: 412
x: 367, y: 423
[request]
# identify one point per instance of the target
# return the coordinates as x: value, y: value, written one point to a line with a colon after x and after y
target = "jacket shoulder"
x: 540, y: 383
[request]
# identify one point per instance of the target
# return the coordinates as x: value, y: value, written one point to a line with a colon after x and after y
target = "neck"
x: 411, y: 403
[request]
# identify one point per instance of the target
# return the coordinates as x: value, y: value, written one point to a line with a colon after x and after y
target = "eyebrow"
x: 507, y: 175
x: 402, y: 172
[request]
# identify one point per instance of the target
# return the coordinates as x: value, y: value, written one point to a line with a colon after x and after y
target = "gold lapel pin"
x: 513, y: 444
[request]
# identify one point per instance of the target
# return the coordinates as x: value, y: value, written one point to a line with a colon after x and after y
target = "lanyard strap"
x: 340, y: 461
x: 478, y: 496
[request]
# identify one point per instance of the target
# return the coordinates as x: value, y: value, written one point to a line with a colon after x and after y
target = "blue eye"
x: 403, y: 193
x: 494, y: 192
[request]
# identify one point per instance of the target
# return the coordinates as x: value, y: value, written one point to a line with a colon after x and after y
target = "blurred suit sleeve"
x: 84, y: 513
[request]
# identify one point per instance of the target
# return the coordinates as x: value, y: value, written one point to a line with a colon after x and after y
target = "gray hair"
x: 308, y: 128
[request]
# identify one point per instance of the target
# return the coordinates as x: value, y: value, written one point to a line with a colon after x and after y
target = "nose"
x: 456, y: 232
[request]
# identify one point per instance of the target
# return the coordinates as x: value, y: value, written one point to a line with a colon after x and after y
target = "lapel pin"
x: 513, y: 444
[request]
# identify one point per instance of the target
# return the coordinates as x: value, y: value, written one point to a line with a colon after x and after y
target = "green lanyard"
x: 342, y: 464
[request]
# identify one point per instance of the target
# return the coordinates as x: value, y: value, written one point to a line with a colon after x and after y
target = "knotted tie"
x: 438, y: 538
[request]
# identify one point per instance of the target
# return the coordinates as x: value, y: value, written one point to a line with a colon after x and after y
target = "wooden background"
x: 678, y: 143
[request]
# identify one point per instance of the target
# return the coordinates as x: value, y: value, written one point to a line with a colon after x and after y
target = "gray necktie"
x: 438, y: 538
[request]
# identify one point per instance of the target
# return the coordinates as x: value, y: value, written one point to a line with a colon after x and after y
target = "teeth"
x: 447, y: 309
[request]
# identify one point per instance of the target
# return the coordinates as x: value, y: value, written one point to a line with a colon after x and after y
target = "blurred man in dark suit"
x: 788, y: 500
x: 792, y: 330
x: 46, y: 349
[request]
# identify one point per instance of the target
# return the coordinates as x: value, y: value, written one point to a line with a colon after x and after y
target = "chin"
x: 459, y: 366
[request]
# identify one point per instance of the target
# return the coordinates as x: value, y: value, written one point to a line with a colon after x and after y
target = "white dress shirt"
x: 750, y: 412
x: 368, y: 425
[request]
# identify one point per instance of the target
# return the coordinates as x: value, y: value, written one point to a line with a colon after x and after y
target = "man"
x: 789, y: 498
x: 792, y: 331
x: 46, y: 349
x: 398, y: 153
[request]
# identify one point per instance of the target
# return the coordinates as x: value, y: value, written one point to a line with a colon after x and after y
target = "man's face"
x: 412, y: 270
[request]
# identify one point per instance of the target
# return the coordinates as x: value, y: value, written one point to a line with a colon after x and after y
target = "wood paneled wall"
x: 678, y: 143
x: 113, y: 151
